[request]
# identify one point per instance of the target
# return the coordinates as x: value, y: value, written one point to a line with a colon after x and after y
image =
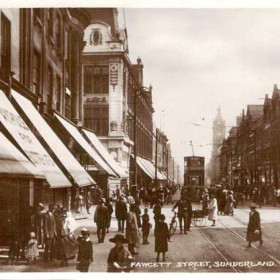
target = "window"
x: 124, y: 84
x: 58, y: 93
x: 97, y: 119
x: 96, y: 79
x: 49, y: 17
x: 66, y: 44
x: 58, y: 31
x: 37, y: 14
x: 36, y: 72
x: 5, y: 47
x: 49, y: 89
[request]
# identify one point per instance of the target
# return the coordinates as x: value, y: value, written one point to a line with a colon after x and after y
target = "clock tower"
x: 219, y: 132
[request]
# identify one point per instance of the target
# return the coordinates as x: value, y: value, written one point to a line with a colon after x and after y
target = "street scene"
x: 131, y: 149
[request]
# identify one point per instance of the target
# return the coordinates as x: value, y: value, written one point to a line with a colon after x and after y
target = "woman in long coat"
x: 229, y: 203
x: 162, y: 236
x: 213, y: 210
x: 254, y: 231
x: 132, y: 231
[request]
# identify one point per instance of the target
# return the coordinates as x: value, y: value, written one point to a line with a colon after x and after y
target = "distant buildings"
x: 250, y: 154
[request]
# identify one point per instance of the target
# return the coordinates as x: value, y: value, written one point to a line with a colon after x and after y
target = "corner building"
x: 117, y: 108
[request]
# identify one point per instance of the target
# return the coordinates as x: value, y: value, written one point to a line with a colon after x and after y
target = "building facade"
x: 251, y: 153
x: 117, y: 106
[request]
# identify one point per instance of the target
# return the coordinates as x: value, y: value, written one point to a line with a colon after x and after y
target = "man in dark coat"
x: 254, y: 232
x: 121, y: 213
x: 101, y: 218
x: 182, y: 213
x: 49, y: 230
x: 39, y: 223
x: 157, y: 211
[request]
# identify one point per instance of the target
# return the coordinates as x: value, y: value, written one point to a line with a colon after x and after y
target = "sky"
x: 200, y: 59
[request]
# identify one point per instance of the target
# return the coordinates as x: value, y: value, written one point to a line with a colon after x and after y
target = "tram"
x: 194, y: 171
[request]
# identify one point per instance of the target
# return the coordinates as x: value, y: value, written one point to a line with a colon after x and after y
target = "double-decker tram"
x: 194, y: 171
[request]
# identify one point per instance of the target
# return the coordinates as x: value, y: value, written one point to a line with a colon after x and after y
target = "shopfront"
x: 18, y: 177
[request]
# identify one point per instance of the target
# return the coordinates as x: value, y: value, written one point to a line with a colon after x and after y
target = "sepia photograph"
x: 139, y: 139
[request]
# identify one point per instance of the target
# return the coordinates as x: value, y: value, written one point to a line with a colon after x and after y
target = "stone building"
x: 117, y: 106
x: 219, y: 130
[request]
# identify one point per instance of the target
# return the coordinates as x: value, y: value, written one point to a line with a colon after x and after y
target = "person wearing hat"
x: 85, y: 252
x: 162, y: 236
x: 229, y: 203
x: 38, y: 222
x: 182, y: 213
x: 119, y: 258
x: 102, y: 219
x: 157, y: 211
x: 49, y: 229
x: 121, y: 213
x: 254, y: 232
x: 132, y: 231
x: 213, y: 210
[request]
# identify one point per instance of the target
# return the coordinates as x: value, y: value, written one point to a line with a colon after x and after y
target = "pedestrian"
x: 205, y: 202
x: 132, y: 231
x: 254, y: 232
x: 157, y: 211
x: 101, y: 218
x: 85, y: 252
x: 88, y: 202
x: 189, y: 214
x: 50, y: 234
x: 162, y: 236
x: 213, y: 210
x: 121, y: 213
x: 32, y: 249
x: 229, y: 204
x: 145, y: 226
x: 118, y: 192
x: 110, y: 212
x: 138, y: 213
x: 182, y: 213
x: 70, y: 224
x: 38, y: 221
x: 119, y: 259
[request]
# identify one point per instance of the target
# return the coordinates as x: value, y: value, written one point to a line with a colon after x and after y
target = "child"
x: 162, y: 237
x: 85, y: 251
x: 145, y: 226
x: 32, y: 249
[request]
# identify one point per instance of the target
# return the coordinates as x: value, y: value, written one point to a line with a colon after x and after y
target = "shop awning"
x: 14, y: 164
x: 73, y: 167
x: 32, y: 148
x: 77, y: 136
x: 104, y: 154
x: 152, y: 168
x: 143, y: 167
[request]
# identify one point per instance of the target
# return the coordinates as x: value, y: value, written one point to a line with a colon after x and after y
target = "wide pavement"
x: 204, y: 249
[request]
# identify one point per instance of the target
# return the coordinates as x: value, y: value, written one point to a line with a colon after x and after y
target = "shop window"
x: 5, y: 47
x: 96, y: 79
x: 36, y: 72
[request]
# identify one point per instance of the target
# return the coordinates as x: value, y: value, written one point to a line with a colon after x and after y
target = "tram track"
x: 253, y: 246
x: 223, y: 255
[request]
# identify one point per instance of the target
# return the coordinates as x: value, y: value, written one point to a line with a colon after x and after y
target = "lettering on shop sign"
x: 38, y: 159
x: 13, y: 118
